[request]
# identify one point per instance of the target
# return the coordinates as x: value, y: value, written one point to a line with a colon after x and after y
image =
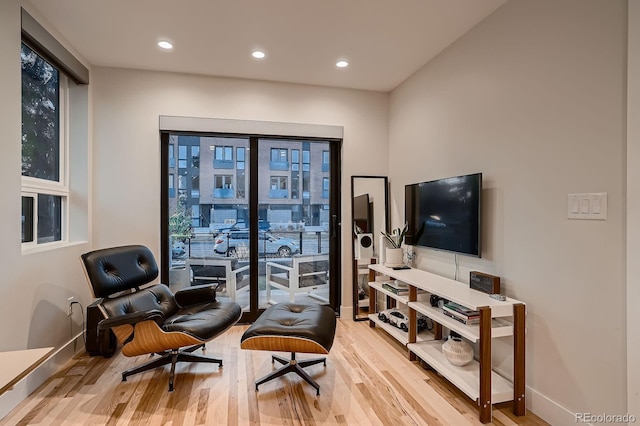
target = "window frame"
x: 32, y: 186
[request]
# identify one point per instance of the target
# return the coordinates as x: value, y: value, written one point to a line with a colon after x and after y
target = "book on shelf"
x: 394, y: 290
x: 454, y: 313
x: 397, y: 284
x: 467, y: 321
x: 457, y: 308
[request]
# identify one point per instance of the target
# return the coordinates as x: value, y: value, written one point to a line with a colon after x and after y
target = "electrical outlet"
x: 70, y: 311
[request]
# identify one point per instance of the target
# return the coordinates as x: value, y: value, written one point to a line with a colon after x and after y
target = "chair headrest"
x: 117, y: 269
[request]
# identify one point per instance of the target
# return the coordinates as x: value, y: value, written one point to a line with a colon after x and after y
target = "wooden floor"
x: 368, y: 380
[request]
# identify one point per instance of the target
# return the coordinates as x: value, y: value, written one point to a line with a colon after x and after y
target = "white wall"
x: 127, y: 144
x: 534, y: 97
x: 34, y: 287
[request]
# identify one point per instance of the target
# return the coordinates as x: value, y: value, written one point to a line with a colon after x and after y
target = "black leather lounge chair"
x: 154, y: 320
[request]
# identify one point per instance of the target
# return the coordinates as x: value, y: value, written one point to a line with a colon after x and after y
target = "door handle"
x: 334, y: 226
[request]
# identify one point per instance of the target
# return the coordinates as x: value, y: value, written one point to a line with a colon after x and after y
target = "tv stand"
x: 498, y: 319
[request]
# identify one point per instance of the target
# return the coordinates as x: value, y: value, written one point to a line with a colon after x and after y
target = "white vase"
x: 393, y: 256
x: 457, y: 351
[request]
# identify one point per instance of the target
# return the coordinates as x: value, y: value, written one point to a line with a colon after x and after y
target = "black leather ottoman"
x: 292, y: 327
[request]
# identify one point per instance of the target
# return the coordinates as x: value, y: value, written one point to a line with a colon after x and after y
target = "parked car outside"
x: 178, y: 250
x: 231, y: 242
x: 263, y: 225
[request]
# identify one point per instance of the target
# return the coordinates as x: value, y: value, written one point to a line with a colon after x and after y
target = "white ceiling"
x: 384, y: 40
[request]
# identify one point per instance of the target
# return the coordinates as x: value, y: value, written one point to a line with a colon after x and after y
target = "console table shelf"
x: 398, y: 297
x: 464, y: 378
x: 499, y: 328
x: 498, y: 319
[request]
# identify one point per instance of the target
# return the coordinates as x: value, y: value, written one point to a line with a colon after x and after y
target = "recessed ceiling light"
x: 342, y: 64
x: 166, y: 45
x: 258, y: 54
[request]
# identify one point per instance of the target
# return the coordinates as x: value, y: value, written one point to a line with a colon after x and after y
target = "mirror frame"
x: 354, y: 282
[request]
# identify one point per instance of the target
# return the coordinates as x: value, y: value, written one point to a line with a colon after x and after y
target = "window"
x: 172, y: 187
x: 224, y: 153
x: 325, y: 161
x: 195, y: 157
x: 195, y: 186
x: 172, y: 158
x: 223, y: 186
x: 240, y: 176
x: 325, y: 188
x: 306, y: 173
x: 182, y: 156
x: 279, y: 159
x: 279, y: 187
x: 223, y: 182
x: 279, y: 155
x: 53, y: 137
x: 295, y: 160
x: 278, y: 182
x: 45, y: 190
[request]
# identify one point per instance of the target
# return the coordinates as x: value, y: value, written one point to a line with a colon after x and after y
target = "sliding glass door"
x: 256, y: 216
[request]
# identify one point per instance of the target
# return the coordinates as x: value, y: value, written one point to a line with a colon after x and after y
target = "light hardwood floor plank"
x: 368, y: 380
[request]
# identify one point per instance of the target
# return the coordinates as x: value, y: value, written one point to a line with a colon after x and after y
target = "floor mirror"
x: 370, y: 213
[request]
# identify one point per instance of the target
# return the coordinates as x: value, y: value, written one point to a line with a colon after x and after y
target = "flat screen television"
x: 444, y: 214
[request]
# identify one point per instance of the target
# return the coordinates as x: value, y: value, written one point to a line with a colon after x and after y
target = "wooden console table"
x: 498, y: 319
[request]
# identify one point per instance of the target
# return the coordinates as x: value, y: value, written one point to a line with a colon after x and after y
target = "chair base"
x: 171, y: 357
x: 293, y: 366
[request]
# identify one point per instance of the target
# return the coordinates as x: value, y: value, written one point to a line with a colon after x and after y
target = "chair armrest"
x: 196, y: 294
x: 131, y: 319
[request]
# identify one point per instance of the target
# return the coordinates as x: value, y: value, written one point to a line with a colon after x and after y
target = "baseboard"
x: 346, y: 312
x: 10, y: 399
x: 548, y: 410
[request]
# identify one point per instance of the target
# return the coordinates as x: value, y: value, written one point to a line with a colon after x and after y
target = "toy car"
x: 399, y: 319
x: 395, y: 317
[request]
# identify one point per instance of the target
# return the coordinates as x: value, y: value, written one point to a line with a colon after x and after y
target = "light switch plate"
x: 587, y: 206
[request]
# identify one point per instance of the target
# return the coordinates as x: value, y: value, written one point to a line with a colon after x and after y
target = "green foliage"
x: 40, y: 116
x: 396, y: 237
x: 180, y: 221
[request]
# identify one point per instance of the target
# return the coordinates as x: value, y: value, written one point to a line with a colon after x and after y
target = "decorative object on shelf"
x: 394, y: 256
x: 437, y: 301
x: 457, y: 351
x: 485, y: 283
